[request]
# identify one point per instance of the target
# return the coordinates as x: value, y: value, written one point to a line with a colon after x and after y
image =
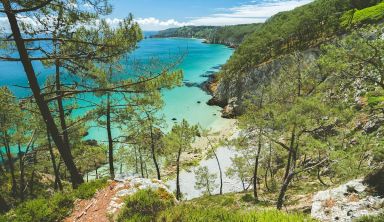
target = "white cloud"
x: 154, y: 24
x: 252, y: 12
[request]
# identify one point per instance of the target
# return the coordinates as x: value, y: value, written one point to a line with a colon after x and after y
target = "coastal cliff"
x: 231, y: 93
x: 300, y: 31
x: 231, y: 36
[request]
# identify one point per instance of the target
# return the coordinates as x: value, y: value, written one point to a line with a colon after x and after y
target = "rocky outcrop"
x: 127, y: 186
x: 346, y: 203
x: 106, y: 204
x: 231, y: 92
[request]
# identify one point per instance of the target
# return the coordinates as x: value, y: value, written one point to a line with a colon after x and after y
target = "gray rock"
x: 345, y: 203
x: 129, y: 185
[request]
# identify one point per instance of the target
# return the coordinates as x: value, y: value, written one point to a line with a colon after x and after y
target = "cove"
x: 185, y: 102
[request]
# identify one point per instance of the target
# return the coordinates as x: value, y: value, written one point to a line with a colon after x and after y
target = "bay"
x: 185, y: 102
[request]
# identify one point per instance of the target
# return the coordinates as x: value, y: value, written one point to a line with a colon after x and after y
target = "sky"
x: 155, y: 15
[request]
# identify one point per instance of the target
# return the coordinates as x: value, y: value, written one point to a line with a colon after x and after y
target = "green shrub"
x: 228, y: 201
x: 33, y: 211
x: 188, y: 213
x: 145, y: 205
x: 61, y: 205
x: 247, y: 198
x: 41, y: 210
x: 375, y: 180
x: 3, y: 218
x: 53, y: 209
x: 368, y: 15
x: 88, y: 190
x: 378, y: 218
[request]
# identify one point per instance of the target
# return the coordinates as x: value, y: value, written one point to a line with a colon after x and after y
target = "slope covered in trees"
x: 306, y: 27
x: 231, y: 36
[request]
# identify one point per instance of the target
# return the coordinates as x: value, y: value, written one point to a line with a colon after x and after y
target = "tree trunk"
x: 268, y: 169
x: 141, y: 163
x: 136, y: 161
x: 97, y: 174
x: 154, y: 154
x: 283, y: 190
x: 58, y: 183
x: 76, y: 178
x: 256, y: 169
x: 146, y: 169
x: 110, y: 139
x: 3, y: 160
x: 178, y: 192
x: 31, y: 188
x: 10, y: 165
x: 208, y: 187
x: 61, y: 107
x: 221, y: 172
x: 243, y: 184
x: 3, y: 205
x: 21, y: 166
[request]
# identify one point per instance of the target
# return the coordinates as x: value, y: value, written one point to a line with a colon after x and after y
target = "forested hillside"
x: 306, y: 87
x: 309, y: 82
x: 304, y: 28
x: 231, y: 36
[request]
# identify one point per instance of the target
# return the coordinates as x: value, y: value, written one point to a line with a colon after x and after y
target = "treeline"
x: 231, y: 36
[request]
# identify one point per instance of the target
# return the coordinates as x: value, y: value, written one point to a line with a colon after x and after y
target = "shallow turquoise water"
x: 180, y: 103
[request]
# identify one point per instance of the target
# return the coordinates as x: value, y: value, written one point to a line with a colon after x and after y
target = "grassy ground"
x: 368, y: 15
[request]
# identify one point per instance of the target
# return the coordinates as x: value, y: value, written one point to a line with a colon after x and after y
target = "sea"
x: 185, y: 102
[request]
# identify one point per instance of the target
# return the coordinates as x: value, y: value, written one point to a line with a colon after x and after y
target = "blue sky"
x: 153, y: 15
x: 162, y: 14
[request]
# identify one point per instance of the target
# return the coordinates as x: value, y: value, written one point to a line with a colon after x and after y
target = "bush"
x: 88, y: 190
x: 375, y: 180
x: 61, y: 205
x: 41, y: 210
x: 145, y: 205
x: 247, y: 198
x: 368, y: 15
x: 53, y: 209
x: 188, y: 213
x: 378, y: 218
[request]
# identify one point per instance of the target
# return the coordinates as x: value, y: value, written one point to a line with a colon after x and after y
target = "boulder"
x: 345, y: 203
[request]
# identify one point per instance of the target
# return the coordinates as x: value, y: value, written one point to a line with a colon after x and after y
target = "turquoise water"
x: 180, y: 103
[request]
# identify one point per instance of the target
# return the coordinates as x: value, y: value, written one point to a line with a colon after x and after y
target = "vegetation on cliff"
x: 304, y: 27
x: 231, y: 36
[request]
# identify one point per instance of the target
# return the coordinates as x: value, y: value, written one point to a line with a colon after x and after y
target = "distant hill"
x: 231, y: 36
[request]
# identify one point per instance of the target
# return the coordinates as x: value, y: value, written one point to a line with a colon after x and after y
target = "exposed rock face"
x: 231, y: 93
x: 127, y: 185
x: 345, y: 203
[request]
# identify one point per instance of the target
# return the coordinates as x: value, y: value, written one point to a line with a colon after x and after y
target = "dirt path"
x: 95, y: 209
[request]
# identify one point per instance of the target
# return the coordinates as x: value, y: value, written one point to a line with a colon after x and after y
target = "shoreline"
x: 203, y: 40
